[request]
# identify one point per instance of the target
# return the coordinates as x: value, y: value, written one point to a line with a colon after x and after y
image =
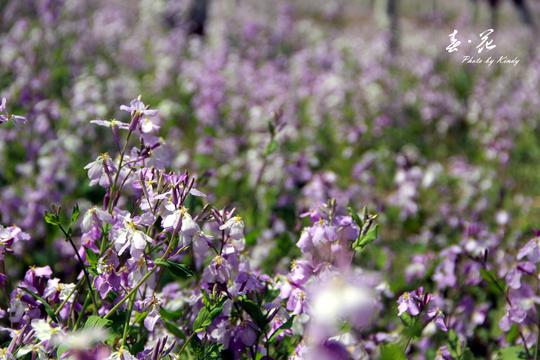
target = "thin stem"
x: 120, y: 163
x: 537, y: 346
x: 85, y: 304
x: 128, y: 318
x: 185, y: 344
x: 509, y: 302
x: 86, y: 275
x: 125, y: 298
x: 59, y: 308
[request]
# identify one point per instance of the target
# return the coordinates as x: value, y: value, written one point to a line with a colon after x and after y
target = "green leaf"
x: 75, y: 214
x: 286, y: 325
x: 271, y: 147
x: 254, y: 311
x: 206, y: 316
x: 454, y: 345
x: 52, y: 218
x: 140, y: 316
x: 173, y: 329
x: 513, y: 334
x: 392, y: 352
x: 176, y: 269
x: 62, y: 348
x: 412, y: 327
x: 355, y: 217
x: 92, y: 258
x: 512, y: 353
x: 44, y: 302
x: 172, y: 315
x: 491, y: 279
x: 271, y: 128
x: 368, y: 238
x: 95, y: 321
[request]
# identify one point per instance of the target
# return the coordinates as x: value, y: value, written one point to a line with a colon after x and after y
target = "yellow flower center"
x: 218, y: 260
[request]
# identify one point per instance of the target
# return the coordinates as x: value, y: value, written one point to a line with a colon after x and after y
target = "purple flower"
x: 296, y: 301
x: 531, y: 250
x: 128, y: 236
x: 219, y: 271
x: 437, y: 315
x: 100, y: 171
x: 5, y: 116
x: 408, y: 303
x: 301, y: 271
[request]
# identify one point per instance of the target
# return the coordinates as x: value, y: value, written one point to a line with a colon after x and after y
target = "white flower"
x: 113, y: 122
x: 130, y: 236
x: 235, y: 225
x: 149, y: 124
x: 44, y: 331
x: 35, y: 348
x: 81, y: 340
x: 121, y: 355
x: 95, y: 216
x: 172, y: 219
x: 189, y: 226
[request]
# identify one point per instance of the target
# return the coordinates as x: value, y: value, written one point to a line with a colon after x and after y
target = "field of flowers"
x: 307, y: 179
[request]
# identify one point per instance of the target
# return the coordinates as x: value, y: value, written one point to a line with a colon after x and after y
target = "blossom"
x: 408, y: 303
x: 44, y: 331
x: 5, y: 116
x: 95, y: 217
x: 130, y: 237
x: 219, y: 271
x: 141, y: 115
x: 437, y: 315
x: 100, y: 171
x: 111, y: 124
x: 335, y: 297
x: 531, y: 251
x: 83, y: 339
x: 235, y: 226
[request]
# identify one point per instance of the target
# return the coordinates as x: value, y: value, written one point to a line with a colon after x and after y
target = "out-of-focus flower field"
x: 269, y: 180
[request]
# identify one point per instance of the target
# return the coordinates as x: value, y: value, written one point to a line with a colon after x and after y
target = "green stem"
x: 128, y: 318
x: 537, y: 347
x: 59, y: 308
x: 86, y: 275
x: 133, y: 291
x: 85, y: 305
x: 120, y: 163
x: 188, y: 340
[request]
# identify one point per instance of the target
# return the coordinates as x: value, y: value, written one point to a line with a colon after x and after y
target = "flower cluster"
x: 220, y: 221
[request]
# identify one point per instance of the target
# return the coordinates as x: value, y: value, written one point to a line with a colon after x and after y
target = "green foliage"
x: 171, y: 315
x: 95, y: 321
x: 456, y: 348
x: 173, y: 328
x: 412, y: 326
x: 512, y: 353
x: 176, y: 269
x: 254, y: 311
x: 368, y: 229
x: 392, y: 351
x: 286, y: 325
x: 75, y: 213
x: 52, y: 218
x: 491, y: 279
x: 207, y: 314
x: 271, y: 147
